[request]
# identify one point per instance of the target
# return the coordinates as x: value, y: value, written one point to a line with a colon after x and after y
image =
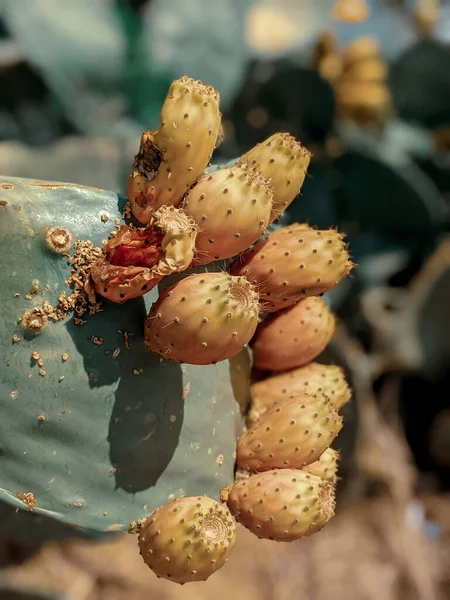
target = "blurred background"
x: 365, y: 85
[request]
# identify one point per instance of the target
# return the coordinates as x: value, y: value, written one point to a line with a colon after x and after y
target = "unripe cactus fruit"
x: 203, y: 319
x: 282, y: 505
x: 188, y: 539
x: 294, y: 262
x: 293, y: 337
x: 289, y: 435
x: 135, y: 260
x: 310, y: 379
x: 231, y: 208
x: 284, y: 162
x: 172, y: 158
x: 325, y: 466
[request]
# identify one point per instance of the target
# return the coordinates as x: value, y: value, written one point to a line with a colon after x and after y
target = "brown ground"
x: 359, y: 555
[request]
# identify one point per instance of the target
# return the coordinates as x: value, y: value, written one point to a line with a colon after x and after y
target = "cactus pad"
x: 96, y: 431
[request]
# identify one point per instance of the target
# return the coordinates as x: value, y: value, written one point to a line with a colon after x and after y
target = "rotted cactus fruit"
x: 284, y: 162
x: 203, y: 319
x: 136, y: 259
x: 310, y: 379
x: 282, y: 505
x: 294, y: 262
x: 293, y: 337
x: 171, y: 159
x: 291, y: 434
x: 188, y: 539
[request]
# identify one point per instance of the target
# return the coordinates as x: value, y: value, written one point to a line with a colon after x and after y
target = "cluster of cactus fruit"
x: 288, y: 489
x: 268, y: 298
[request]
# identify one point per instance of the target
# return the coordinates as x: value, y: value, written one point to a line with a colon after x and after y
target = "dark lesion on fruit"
x: 148, y: 160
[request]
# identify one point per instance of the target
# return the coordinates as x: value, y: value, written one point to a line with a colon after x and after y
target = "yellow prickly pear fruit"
x: 294, y: 262
x: 325, y: 466
x: 351, y: 11
x: 171, y: 159
x: 203, y: 319
x: 289, y: 435
x: 282, y: 505
x: 284, y: 162
x: 232, y: 210
x: 188, y: 539
x: 310, y: 379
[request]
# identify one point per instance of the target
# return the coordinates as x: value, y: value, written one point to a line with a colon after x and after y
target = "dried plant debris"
x: 81, y: 300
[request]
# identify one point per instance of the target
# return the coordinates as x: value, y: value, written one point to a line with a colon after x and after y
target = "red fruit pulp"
x: 144, y: 250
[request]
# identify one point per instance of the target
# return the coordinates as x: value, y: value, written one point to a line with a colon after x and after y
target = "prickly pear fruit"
x: 135, y: 260
x: 231, y: 208
x: 293, y: 337
x: 172, y: 158
x: 361, y: 49
x: 294, y: 262
x: 289, y: 435
x: 325, y: 466
x: 282, y: 505
x: 351, y: 11
x: 284, y: 162
x: 188, y: 539
x: 310, y: 379
x: 203, y: 319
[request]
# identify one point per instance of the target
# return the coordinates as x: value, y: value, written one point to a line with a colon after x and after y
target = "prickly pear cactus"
x: 96, y: 432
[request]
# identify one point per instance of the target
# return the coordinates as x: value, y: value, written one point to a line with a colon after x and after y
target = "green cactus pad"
x: 124, y: 431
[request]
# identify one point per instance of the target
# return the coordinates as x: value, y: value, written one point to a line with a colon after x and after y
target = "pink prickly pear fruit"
x: 289, y: 435
x: 171, y: 159
x: 203, y: 319
x: 293, y: 337
x: 310, y: 379
x: 284, y: 162
x: 282, y: 505
x: 231, y: 208
x: 135, y: 260
x: 188, y: 539
x: 294, y: 262
x: 325, y: 466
